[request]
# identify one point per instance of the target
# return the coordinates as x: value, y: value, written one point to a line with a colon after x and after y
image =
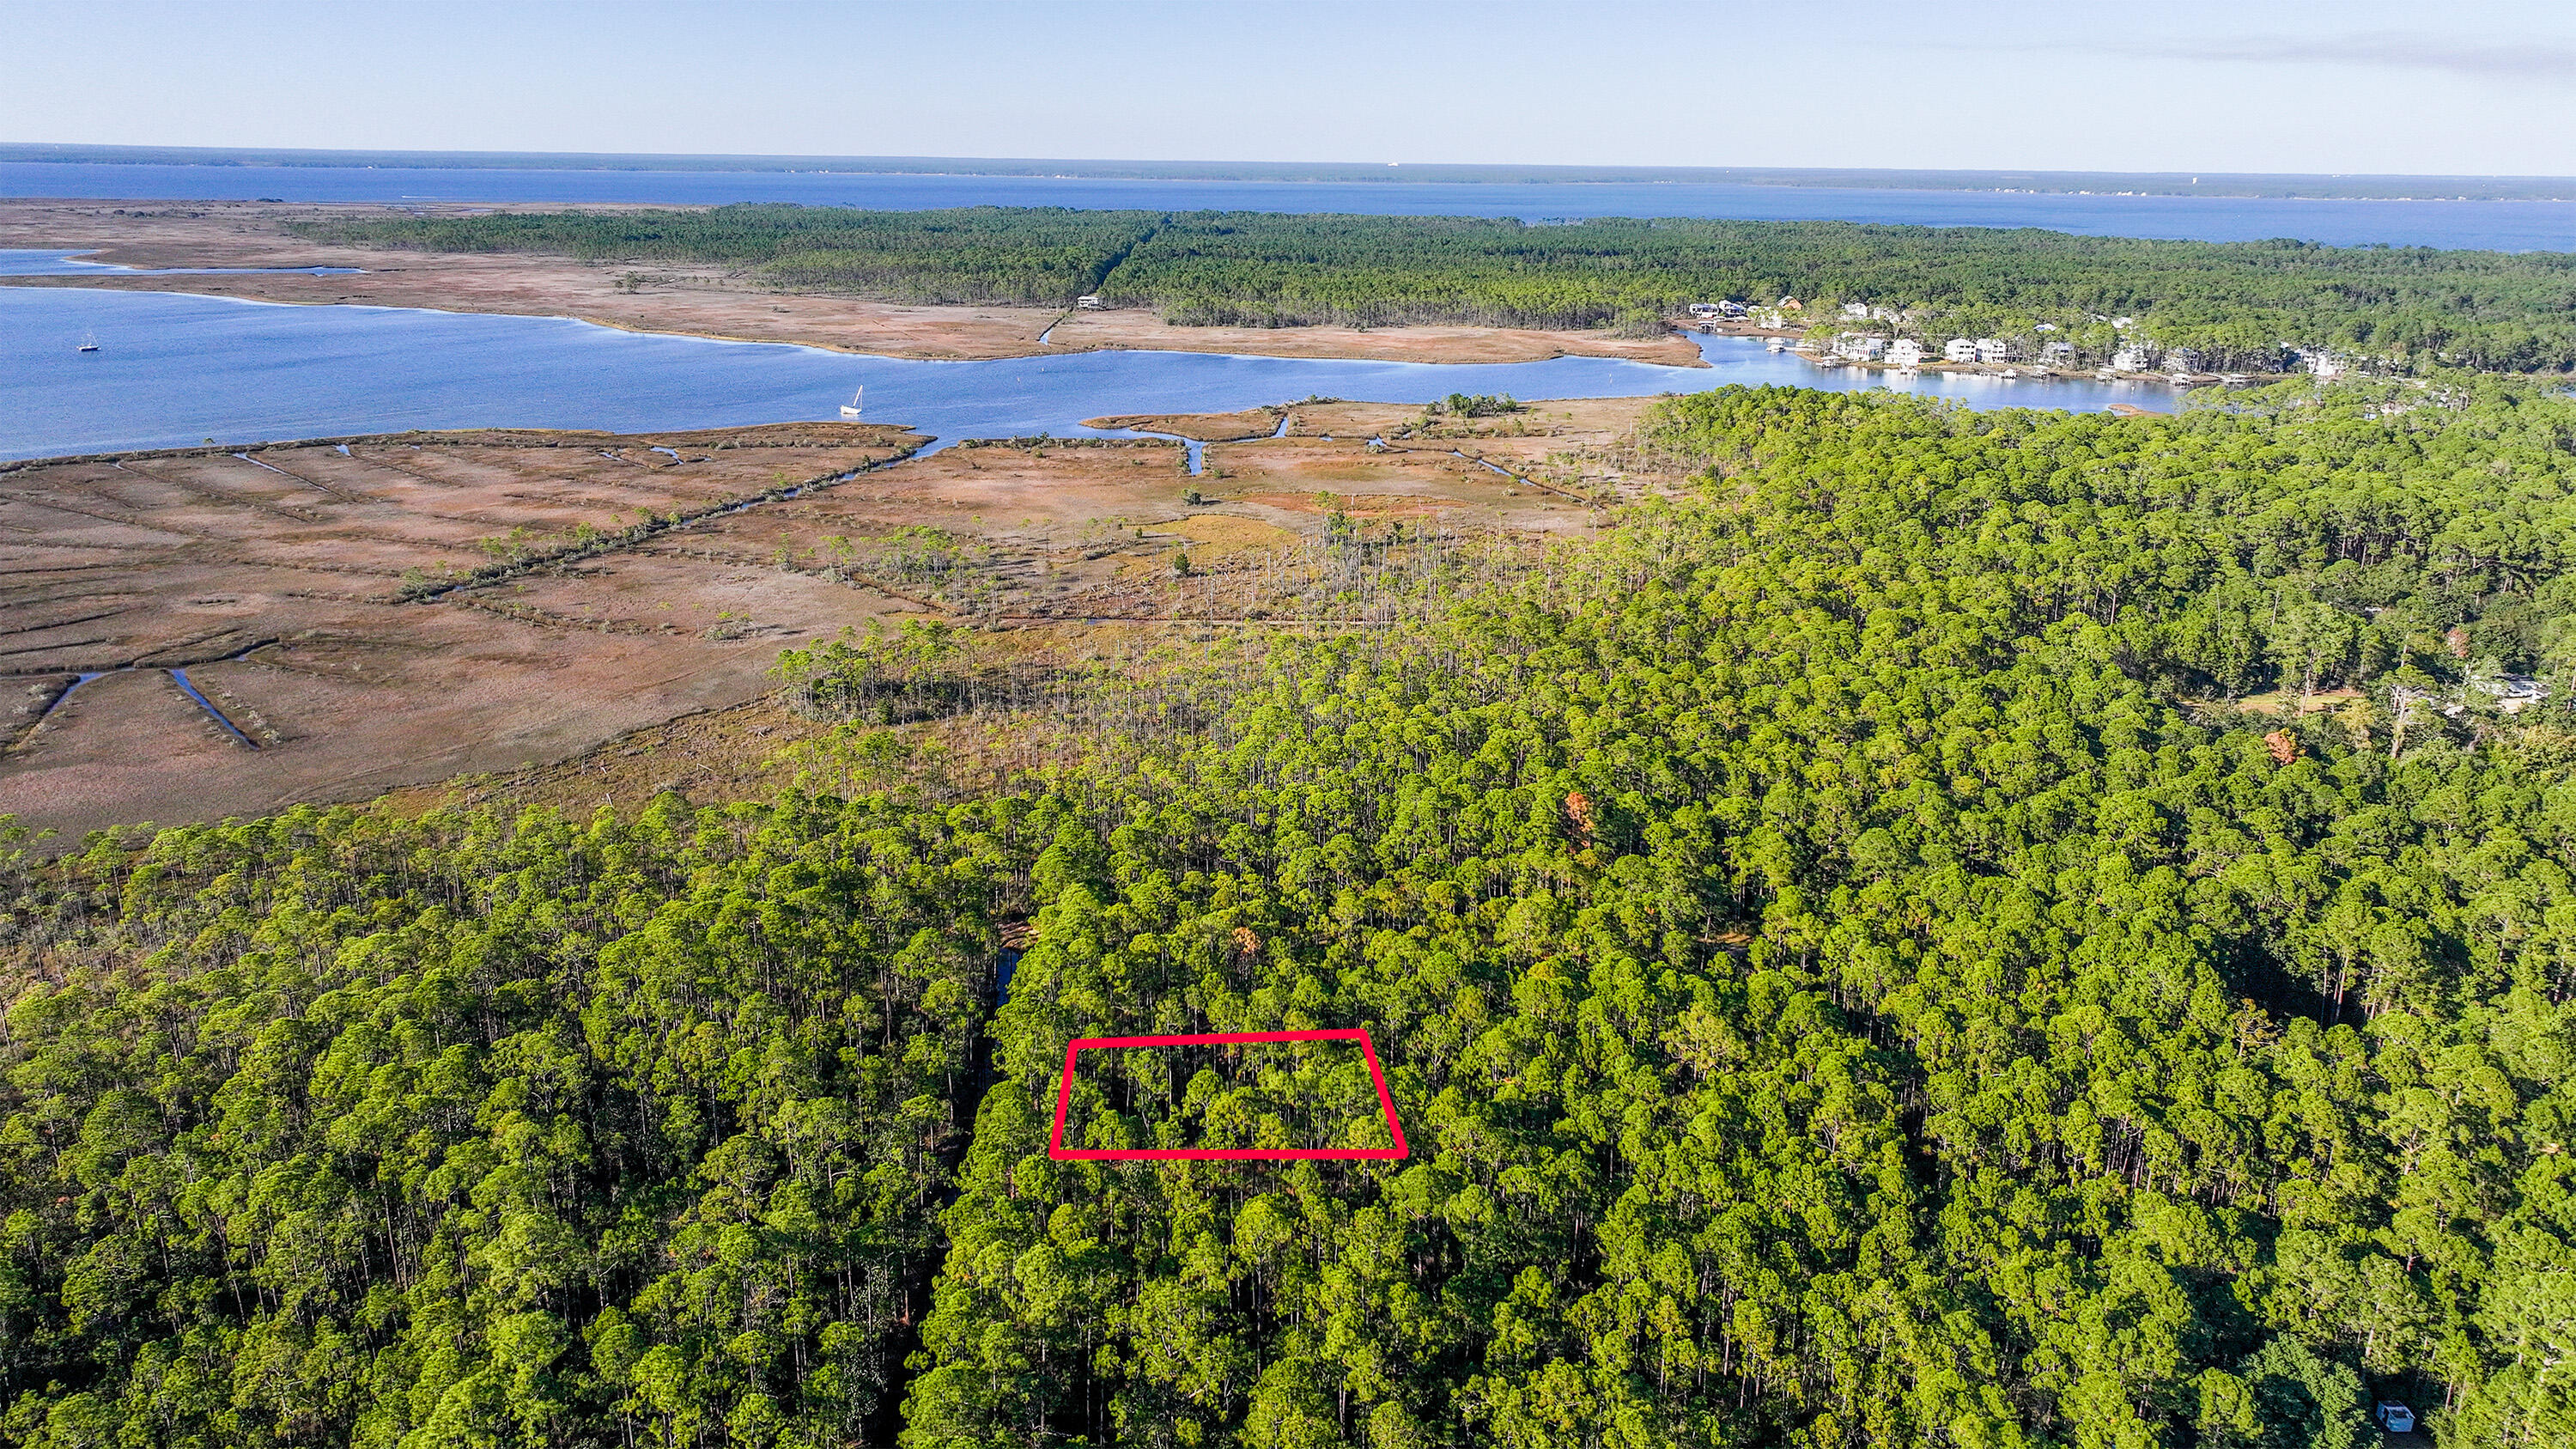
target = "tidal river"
x: 172, y: 370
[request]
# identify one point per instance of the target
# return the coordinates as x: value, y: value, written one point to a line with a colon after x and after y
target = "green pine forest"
x: 1850, y: 968
x: 2240, y: 303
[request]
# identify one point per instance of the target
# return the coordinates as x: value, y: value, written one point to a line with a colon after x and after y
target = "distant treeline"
x: 1035, y: 256
x: 2238, y: 303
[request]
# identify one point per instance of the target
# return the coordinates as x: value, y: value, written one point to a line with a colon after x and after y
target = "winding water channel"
x: 176, y: 370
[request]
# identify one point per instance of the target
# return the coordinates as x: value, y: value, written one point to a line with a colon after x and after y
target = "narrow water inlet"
x: 12, y: 736
x: 1521, y: 478
x: 1192, y: 448
x: 180, y: 677
x: 16, y: 733
x: 77, y: 681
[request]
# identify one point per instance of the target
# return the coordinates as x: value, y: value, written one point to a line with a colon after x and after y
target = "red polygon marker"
x: 1368, y: 1051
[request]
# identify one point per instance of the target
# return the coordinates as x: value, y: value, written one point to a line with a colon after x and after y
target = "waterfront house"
x: 2057, y: 354
x: 2136, y: 357
x: 1997, y: 349
x: 1087, y: 303
x: 2514, y: 693
x: 1706, y: 310
x: 1860, y: 346
x: 1959, y: 349
x: 2182, y: 359
x: 1905, y: 352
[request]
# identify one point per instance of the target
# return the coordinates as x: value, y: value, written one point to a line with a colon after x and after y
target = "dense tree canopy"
x: 2238, y: 302
x: 1850, y: 967
x: 1034, y: 256
x: 338, y: 1129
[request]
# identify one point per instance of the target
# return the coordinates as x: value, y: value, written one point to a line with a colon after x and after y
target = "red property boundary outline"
x: 1368, y: 1051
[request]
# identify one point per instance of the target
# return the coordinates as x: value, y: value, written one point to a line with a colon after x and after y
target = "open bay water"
x: 2485, y: 225
x: 175, y: 369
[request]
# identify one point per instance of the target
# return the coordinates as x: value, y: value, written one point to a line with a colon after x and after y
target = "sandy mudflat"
x: 705, y: 301
x: 700, y: 302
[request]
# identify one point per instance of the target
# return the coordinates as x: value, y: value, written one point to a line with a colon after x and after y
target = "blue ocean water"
x: 2496, y: 225
x: 174, y: 369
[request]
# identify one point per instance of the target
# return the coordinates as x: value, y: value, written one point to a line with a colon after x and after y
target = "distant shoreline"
x: 2286, y: 186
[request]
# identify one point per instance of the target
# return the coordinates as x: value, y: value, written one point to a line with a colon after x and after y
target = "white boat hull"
x: 848, y: 411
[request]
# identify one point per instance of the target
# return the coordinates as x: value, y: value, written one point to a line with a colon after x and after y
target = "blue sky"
x: 2357, y: 86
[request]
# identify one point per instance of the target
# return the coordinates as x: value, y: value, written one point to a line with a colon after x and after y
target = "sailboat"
x: 850, y: 409
x: 89, y: 342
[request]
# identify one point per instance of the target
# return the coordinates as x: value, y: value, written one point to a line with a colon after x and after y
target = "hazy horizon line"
x: 2271, y: 185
